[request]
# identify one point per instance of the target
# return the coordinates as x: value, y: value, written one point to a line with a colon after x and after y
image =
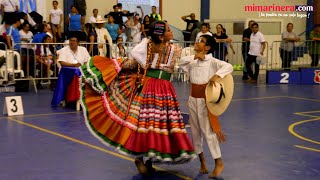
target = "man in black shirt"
x: 245, y: 47
x: 117, y: 15
x: 191, y: 25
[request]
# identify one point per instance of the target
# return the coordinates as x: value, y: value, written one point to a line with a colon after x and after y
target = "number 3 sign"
x: 13, y: 106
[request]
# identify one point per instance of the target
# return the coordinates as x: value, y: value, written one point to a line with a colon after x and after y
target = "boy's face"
x: 200, y: 45
x: 55, y: 4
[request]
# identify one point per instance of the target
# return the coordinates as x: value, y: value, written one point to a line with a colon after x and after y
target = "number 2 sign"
x: 13, y: 106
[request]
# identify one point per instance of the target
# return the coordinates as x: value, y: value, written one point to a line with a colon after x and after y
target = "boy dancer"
x: 203, y: 69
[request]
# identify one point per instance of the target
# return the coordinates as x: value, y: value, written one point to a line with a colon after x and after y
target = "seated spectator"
x: 70, y: 58
x: 122, y: 35
x: 120, y: 49
x: 45, y: 60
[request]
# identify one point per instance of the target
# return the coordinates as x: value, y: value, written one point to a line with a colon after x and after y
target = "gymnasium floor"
x: 272, y: 134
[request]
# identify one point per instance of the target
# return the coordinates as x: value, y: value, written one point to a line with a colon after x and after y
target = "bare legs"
x: 144, y: 168
x: 219, y: 166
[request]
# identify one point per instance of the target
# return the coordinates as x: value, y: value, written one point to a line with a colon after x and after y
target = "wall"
x: 224, y: 10
x: 172, y: 12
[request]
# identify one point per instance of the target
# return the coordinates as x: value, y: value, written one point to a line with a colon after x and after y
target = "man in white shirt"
x: 8, y: 10
x: 55, y: 18
x: 103, y: 37
x: 202, y: 69
x: 205, y: 27
x: 73, y: 55
x: 93, y: 19
x: 257, y: 46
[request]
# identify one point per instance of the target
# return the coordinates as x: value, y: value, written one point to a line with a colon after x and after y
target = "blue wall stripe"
x: 205, y: 9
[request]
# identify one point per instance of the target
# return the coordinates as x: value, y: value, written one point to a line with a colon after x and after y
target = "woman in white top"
x: 136, y: 30
x: 55, y: 18
x: 26, y: 37
x: 93, y: 19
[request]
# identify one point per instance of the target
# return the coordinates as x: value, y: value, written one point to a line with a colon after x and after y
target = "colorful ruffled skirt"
x: 138, y: 121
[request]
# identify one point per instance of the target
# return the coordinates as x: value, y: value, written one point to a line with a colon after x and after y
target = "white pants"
x: 201, y: 127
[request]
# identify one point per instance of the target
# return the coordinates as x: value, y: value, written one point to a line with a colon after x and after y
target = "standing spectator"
x: 205, y: 27
x: 26, y: 37
x: 92, y: 39
x: 118, y: 15
x: 154, y: 16
x: 93, y: 19
x: 136, y: 30
x: 81, y: 7
x: 9, y: 9
x: 103, y: 36
x: 220, y: 38
x: 245, y: 47
x: 287, y: 44
x: 112, y: 28
x: 55, y: 19
x: 13, y: 35
x: 314, y: 48
x: 145, y: 26
x: 26, y: 50
x: 75, y: 22
x: 191, y: 25
x: 257, y: 46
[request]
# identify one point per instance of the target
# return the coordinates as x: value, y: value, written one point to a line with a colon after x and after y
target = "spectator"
x: 93, y: 19
x: 220, y: 38
x: 75, y: 22
x: 257, y: 46
x: 55, y: 19
x: 118, y: 15
x: 92, y: 39
x: 45, y: 59
x: 314, y: 48
x: 122, y: 35
x: 120, y: 49
x: 70, y: 58
x: 191, y: 25
x: 205, y: 27
x: 9, y: 9
x: 136, y: 30
x: 112, y: 28
x: 13, y: 35
x: 287, y: 44
x: 245, y: 47
x: 27, y: 53
x: 145, y: 26
x: 103, y: 36
x: 154, y: 16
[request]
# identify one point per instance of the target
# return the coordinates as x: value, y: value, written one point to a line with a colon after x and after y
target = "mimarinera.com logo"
x: 278, y: 8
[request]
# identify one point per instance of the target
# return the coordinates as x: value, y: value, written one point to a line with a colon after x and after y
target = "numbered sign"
x: 283, y: 77
x: 13, y: 106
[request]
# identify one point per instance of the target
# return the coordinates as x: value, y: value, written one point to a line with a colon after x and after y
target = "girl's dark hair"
x: 91, y: 28
x: 144, y: 19
x: 210, y: 41
x: 50, y: 46
x: 157, y: 29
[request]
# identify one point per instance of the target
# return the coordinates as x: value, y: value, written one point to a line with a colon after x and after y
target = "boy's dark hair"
x: 55, y: 2
x: 119, y: 4
x: 210, y: 41
x: 255, y: 24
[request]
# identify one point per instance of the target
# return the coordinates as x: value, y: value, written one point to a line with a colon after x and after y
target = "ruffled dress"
x: 137, y: 118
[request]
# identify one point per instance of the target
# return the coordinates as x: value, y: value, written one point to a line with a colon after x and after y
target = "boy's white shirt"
x: 200, y: 72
